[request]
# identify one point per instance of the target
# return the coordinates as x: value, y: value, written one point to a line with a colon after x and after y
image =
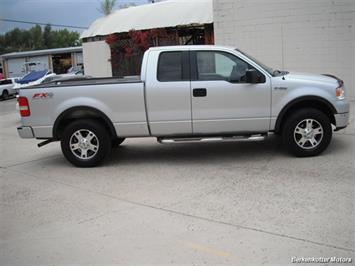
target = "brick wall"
x: 298, y: 35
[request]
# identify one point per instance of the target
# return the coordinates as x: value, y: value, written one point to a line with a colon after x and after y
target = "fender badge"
x: 42, y: 95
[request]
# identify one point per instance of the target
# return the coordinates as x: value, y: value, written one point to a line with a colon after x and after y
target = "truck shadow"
x: 218, y: 152
x: 192, y: 153
x: 143, y: 152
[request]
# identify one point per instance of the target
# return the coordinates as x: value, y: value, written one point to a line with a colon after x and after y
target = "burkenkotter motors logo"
x: 321, y: 260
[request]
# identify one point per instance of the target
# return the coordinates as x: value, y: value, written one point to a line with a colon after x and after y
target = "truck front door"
x: 222, y: 100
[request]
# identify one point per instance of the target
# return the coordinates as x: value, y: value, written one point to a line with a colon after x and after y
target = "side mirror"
x: 252, y: 76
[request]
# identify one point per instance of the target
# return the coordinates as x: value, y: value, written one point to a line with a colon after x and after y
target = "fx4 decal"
x: 42, y: 95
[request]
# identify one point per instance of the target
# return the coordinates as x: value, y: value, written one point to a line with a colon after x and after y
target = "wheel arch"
x: 81, y: 112
x: 302, y: 102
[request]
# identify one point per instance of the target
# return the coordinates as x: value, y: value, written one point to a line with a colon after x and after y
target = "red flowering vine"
x: 112, y: 38
x: 127, y: 49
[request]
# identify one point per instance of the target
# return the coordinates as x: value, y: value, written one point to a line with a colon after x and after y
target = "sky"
x: 65, y: 12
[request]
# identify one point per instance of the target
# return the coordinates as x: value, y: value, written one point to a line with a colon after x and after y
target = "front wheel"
x: 307, y: 132
x: 85, y: 143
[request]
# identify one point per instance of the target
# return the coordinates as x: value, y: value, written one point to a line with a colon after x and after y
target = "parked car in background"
x: 33, y: 78
x: 29, y: 80
x: 7, y: 87
x: 76, y: 70
x: 63, y: 77
x: 186, y: 94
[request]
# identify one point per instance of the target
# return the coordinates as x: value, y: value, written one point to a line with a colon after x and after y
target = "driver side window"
x: 214, y: 65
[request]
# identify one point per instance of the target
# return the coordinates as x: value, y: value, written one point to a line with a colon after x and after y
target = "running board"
x: 258, y: 137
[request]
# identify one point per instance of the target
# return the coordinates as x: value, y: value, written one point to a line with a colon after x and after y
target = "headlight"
x: 340, y: 93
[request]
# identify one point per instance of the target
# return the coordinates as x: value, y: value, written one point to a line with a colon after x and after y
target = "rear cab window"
x: 173, y: 66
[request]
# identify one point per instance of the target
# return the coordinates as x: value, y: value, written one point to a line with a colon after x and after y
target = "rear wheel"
x: 5, y: 95
x: 85, y: 143
x: 307, y: 132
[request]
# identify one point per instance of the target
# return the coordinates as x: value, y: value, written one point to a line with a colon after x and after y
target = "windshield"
x: 270, y: 70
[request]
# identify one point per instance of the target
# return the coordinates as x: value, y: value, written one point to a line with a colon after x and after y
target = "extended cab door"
x: 168, y: 93
x: 222, y: 100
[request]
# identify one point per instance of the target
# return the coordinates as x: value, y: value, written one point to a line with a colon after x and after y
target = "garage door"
x: 16, y: 67
x: 41, y: 62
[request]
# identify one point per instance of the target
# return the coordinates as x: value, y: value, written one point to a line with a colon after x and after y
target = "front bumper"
x: 25, y: 132
x: 341, y: 120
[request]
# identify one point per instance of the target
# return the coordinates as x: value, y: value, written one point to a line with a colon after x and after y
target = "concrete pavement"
x: 182, y: 204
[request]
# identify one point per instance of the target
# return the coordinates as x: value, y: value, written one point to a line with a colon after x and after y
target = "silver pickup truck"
x: 186, y: 93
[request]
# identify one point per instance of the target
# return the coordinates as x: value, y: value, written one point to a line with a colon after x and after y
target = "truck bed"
x: 87, y: 82
x: 121, y: 100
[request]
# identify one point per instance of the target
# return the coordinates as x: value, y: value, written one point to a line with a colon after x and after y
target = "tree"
x: 35, y: 38
x: 47, y: 36
x: 106, y: 6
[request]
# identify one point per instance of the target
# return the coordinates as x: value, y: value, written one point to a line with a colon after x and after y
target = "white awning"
x: 170, y: 13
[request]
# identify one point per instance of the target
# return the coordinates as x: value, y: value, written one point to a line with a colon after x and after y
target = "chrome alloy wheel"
x: 308, y: 134
x: 84, y: 144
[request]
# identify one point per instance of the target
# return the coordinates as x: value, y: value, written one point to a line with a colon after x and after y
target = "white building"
x: 58, y: 60
x: 297, y: 35
x: 177, y: 14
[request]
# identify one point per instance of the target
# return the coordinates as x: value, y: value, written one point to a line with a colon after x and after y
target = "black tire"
x: 117, y: 142
x: 5, y: 95
x: 304, y: 143
x: 101, y: 142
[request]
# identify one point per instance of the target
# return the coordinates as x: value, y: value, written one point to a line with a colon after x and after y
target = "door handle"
x: 200, y: 92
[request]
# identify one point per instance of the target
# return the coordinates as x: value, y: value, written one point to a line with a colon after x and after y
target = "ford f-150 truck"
x: 186, y: 93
